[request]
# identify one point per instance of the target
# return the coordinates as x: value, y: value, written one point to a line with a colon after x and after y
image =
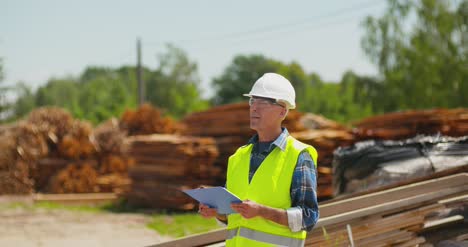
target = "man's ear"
x: 283, y: 112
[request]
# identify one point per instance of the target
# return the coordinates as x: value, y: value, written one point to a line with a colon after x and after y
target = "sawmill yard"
x: 396, y: 179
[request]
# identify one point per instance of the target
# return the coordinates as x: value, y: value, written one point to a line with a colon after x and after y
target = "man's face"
x: 265, y: 113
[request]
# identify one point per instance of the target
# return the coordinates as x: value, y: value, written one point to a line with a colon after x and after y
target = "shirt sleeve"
x: 304, y: 213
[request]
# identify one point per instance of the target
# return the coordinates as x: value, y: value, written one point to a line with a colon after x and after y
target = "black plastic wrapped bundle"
x: 371, y: 164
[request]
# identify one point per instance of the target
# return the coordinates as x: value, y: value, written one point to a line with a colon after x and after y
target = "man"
x: 274, y: 175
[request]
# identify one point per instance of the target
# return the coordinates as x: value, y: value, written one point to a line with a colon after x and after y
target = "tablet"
x: 215, y: 197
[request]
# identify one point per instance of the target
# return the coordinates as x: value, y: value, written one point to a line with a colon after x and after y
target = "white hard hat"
x: 274, y: 86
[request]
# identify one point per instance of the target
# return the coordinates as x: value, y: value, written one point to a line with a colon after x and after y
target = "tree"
x: 174, y: 85
x: 1, y: 70
x: 424, y: 64
x: 5, y: 104
x: 25, y: 102
x: 239, y: 77
x: 312, y: 94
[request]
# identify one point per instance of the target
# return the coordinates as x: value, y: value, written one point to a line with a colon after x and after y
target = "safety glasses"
x: 263, y: 102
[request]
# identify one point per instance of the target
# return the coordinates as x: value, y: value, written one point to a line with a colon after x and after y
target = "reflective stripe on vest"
x: 265, y: 237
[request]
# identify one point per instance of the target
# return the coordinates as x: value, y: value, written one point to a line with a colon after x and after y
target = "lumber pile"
x: 20, y: 147
x: 51, y: 152
x: 166, y: 164
x: 406, y: 124
x: 114, y: 163
x: 319, y: 122
x: 230, y: 120
x: 147, y: 120
x: 89, y: 160
x: 409, y: 215
x: 396, y: 217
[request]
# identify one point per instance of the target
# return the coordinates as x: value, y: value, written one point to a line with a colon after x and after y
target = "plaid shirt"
x: 304, y: 180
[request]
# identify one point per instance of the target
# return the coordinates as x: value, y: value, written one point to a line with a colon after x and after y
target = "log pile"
x: 147, y: 120
x: 401, y: 125
x: 166, y: 164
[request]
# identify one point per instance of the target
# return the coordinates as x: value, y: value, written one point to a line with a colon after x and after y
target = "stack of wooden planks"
x: 230, y: 120
x: 51, y: 152
x: 146, y: 120
x: 394, y: 217
x: 406, y: 124
x: 166, y: 164
x: 20, y: 148
x: 398, y: 216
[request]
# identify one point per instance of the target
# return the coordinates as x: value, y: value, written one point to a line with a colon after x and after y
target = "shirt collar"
x: 279, y: 142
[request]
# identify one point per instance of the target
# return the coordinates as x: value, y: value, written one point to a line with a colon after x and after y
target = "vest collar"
x: 279, y: 142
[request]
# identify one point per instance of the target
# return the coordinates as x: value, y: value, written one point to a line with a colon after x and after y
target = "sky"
x: 56, y: 38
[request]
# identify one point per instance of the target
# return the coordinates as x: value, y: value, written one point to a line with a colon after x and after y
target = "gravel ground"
x: 20, y: 227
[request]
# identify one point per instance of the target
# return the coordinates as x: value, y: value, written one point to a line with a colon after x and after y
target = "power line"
x: 279, y: 27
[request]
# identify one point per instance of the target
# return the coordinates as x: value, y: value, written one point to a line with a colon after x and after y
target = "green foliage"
x: 100, y: 93
x: 174, y: 85
x: 423, y: 65
x: 26, y: 100
x: 349, y: 100
x: 238, y: 77
x: 5, y: 105
x: 420, y: 48
x: 1, y: 70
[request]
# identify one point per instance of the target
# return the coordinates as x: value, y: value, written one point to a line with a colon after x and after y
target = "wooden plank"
x: 385, y: 239
x: 454, y: 199
x: 436, y: 224
x: 389, y: 206
x: 202, y: 239
x: 439, y: 188
x: 413, y: 242
x: 350, y: 204
x: 77, y: 199
x: 441, y: 174
x: 363, y: 231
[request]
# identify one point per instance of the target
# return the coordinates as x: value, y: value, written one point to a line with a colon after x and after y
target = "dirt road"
x: 20, y: 227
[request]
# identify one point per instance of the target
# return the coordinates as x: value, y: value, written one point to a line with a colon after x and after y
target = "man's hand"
x: 207, y: 212
x: 248, y: 209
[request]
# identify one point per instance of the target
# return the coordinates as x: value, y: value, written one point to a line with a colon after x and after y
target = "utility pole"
x: 141, y: 85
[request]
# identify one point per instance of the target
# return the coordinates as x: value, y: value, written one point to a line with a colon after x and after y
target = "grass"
x: 179, y: 225
x: 50, y: 206
x: 171, y: 224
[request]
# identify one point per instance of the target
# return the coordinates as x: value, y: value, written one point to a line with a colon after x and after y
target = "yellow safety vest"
x: 269, y: 186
